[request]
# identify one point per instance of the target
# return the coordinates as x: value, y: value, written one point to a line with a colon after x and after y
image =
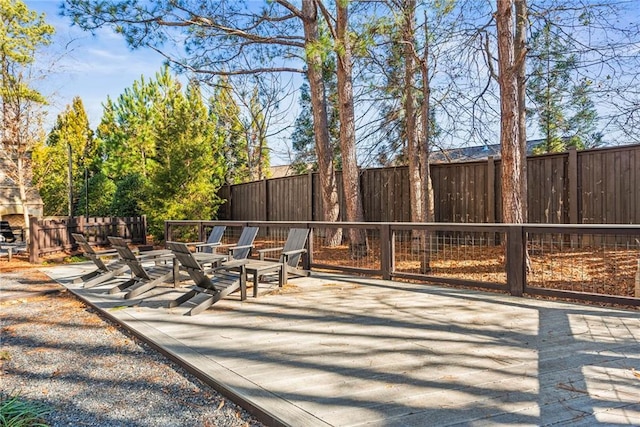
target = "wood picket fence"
x: 54, y: 234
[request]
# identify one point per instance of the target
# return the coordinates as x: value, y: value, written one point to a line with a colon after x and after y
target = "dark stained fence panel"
x: 288, y: 199
x: 604, y: 183
x: 249, y: 201
x: 547, y: 190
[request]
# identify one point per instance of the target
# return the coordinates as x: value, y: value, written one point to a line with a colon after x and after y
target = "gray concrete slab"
x: 333, y: 350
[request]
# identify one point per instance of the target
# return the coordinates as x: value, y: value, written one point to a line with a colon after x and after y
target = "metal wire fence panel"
x: 608, y: 268
x: 473, y: 256
x: 273, y: 237
x: 340, y: 253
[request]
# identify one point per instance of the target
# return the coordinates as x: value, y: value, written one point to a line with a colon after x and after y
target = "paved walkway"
x: 344, y: 351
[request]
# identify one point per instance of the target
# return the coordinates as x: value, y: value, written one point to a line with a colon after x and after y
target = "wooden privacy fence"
x: 54, y: 235
x: 467, y: 254
x: 577, y: 187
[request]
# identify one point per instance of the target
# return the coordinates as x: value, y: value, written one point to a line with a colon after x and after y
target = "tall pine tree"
x: 226, y: 112
x: 70, y: 142
x: 163, y: 150
x: 565, y: 114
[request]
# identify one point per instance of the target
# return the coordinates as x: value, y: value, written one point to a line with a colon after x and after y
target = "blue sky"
x: 90, y: 66
x: 95, y: 66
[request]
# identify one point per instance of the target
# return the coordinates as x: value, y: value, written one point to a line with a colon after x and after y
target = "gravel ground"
x: 57, y: 351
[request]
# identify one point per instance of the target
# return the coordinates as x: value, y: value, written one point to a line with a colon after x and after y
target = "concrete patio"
x: 335, y: 350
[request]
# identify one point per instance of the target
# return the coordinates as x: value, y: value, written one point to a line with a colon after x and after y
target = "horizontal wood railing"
x: 595, y: 263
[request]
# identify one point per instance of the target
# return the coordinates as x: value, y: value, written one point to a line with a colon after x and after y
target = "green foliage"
x: 303, y: 136
x: 128, y: 195
x: 51, y: 159
x: 100, y: 191
x: 185, y: 174
x: 226, y: 113
x: 255, y: 126
x: 161, y: 147
x: 17, y: 412
x: 50, y: 177
x: 126, y: 131
x: 565, y: 114
x: 22, y: 32
x: 75, y: 258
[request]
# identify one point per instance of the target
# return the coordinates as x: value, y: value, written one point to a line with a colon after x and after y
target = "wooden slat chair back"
x: 104, y: 271
x: 189, y: 263
x: 296, y: 241
x: 288, y: 260
x: 214, y: 239
x: 145, y: 278
x: 221, y: 283
x: 88, y: 251
x: 127, y: 255
x: 242, y: 249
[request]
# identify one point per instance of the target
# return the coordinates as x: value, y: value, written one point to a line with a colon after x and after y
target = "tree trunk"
x: 413, y: 156
x: 414, y: 148
x: 512, y: 198
x: 22, y: 188
x: 520, y: 53
x: 350, y: 173
x: 428, y: 213
x: 324, y: 151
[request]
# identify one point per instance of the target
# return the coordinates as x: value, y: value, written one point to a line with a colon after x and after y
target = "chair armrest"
x: 286, y: 255
x: 194, y: 243
x: 226, y: 245
x: 233, y: 248
x: 231, y: 264
x: 261, y: 252
x: 105, y: 253
x: 208, y: 245
x: 297, y: 251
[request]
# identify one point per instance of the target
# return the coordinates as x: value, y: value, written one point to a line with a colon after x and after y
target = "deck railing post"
x: 307, y: 258
x: 167, y: 231
x: 201, y: 234
x: 515, y: 260
x: 385, y: 250
x: 143, y: 231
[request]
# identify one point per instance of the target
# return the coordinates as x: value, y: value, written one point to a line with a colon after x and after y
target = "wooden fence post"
x: 515, y: 260
x: 76, y: 225
x: 637, y: 288
x: 265, y: 212
x: 573, y: 186
x: 34, y: 240
x: 143, y: 228
x: 491, y: 198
